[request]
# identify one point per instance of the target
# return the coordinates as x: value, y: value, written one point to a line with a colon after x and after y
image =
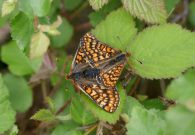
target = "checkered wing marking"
x: 110, y: 77
x: 95, y: 50
x: 80, y: 58
x: 108, y: 99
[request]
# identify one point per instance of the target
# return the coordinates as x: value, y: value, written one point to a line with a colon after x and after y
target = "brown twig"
x: 86, y: 25
x: 63, y: 107
x: 76, y: 13
x: 44, y: 89
x: 99, y: 129
x: 36, y: 23
x: 90, y: 129
x: 131, y: 92
x: 63, y: 11
x: 184, y: 14
x: 162, y: 86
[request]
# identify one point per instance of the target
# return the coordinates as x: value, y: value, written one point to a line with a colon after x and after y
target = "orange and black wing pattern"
x: 110, y: 77
x: 106, y: 98
x: 95, y: 50
x: 101, y: 88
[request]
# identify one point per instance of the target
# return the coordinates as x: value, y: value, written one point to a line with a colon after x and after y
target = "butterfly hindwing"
x: 106, y: 98
x: 111, y: 76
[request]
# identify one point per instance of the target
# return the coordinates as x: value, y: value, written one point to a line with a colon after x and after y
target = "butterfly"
x: 95, y: 70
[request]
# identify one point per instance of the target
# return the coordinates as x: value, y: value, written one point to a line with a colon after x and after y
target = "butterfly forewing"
x: 96, y: 51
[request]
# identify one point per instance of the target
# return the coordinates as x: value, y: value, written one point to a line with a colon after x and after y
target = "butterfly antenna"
x: 128, y: 54
x: 121, y: 44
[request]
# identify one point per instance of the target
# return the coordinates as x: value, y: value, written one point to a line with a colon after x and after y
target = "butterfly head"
x: 74, y: 76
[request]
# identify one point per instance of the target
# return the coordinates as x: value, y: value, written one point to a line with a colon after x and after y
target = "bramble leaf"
x: 17, y: 62
x: 180, y: 121
x: 68, y: 128
x: 97, y: 4
x: 145, y: 122
x: 21, y: 30
x: 25, y: 7
x: 8, y: 6
x: 14, y: 130
x: 97, y: 16
x: 79, y: 113
x: 162, y: 51
x: 182, y: 89
x: 20, y: 92
x: 151, y: 11
x: 43, y: 115
x: 7, y: 114
x: 60, y: 40
x: 39, y: 45
x: 115, y: 33
x: 130, y: 104
x: 40, y: 7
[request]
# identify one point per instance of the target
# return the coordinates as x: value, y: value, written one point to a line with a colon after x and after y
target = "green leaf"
x: 102, y: 114
x: 20, y: 93
x: 7, y: 114
x: 191, y: 16
x: 154, y: 104
x: 60, y: 40
x: 52, y: 28
x: 97, y: 16
x: 167, y: 55
x: 50, y: 103
x: 21, y: 30
x: 120, y: 33
x: 14, y: 130
x: 130, y: 104
x: 39, y: 45
x: 79, y: 113
x: 151, y: 11
x: 72, y: 4
x: 17, y: 62
x: 182, y: 89
x: 3, y: 21
x: 25, y: 7
x: 63, y: 94
x: 43, y: 115
x: 170, y: 5
x: 145, y: 122
x: 64, y: 117
x: 8, y: 6
x: 97, y: 4
x: 40, y: 7
x: 68, y: 128
x: 180, y: 121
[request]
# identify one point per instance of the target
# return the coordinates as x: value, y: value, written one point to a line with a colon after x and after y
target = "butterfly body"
x: 95, y: 70
x: 87, y: 73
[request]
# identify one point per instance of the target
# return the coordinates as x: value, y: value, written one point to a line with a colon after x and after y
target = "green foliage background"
x: 40, y: 39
